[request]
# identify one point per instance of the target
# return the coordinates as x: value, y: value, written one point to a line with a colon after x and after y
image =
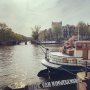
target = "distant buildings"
x: 56, y: 25
x: 68, y: 30
x: 58, y: 32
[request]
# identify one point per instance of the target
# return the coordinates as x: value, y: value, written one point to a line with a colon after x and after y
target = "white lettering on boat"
x: 43, y: 85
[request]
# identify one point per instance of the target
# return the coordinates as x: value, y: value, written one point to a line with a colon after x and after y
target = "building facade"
x: 56, y: 25
x: 68, y: 30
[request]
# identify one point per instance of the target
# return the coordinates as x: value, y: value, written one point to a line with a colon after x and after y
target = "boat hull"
x: 68, y: 68
x: 55, y: 74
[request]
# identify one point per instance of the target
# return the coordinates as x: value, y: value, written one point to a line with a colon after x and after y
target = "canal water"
x: 20, y: 64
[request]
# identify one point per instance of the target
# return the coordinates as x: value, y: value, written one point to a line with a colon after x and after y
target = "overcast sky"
x: 21, y: 15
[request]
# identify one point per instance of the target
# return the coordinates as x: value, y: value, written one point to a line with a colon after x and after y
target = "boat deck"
x: 48, y: 64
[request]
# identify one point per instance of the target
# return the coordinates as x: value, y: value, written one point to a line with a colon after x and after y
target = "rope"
x: 42, y: 50
x: 39, y: 44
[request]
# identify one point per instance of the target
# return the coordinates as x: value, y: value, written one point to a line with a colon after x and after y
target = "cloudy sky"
x: 21, y: 15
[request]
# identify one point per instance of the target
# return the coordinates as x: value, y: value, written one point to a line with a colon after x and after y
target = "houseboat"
x: 73, y: 57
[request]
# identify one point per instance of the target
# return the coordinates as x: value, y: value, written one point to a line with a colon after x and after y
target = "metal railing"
x: 78, y: 61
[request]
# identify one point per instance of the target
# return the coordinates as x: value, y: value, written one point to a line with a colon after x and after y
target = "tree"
x: 35, y: 32
x: 6, y: 34
x: 82, y: 27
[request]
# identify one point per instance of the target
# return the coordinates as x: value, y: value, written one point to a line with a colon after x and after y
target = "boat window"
x: 65, y: 60
x: 74, y: 61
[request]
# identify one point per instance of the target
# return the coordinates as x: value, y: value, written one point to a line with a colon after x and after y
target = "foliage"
x: 6, y: 34
x: 84, y: 30
x: 35, y: 32
x: 50, y: 34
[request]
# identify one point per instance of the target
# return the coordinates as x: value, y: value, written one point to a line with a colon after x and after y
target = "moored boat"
x: 73, y: 57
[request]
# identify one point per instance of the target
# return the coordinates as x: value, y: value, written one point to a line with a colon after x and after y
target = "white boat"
x: 71, y: 59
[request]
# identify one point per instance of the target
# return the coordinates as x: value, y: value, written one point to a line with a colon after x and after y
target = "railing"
x: 77, y: 61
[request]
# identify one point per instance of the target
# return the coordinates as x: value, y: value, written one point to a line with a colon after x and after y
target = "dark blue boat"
x: 71, y: 60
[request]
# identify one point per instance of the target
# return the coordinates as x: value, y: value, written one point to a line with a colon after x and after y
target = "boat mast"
x: 78, y: 33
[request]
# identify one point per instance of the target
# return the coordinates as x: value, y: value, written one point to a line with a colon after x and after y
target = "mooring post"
x: 86, y: 69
